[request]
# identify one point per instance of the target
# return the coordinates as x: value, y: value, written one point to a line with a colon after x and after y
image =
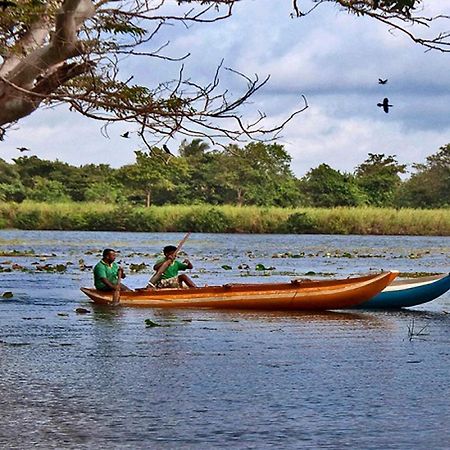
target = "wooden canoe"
x: 297, y: 295
x: 412, y: 292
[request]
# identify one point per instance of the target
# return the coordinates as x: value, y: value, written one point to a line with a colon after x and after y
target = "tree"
x: 327, y: 187
x: 49, y: 191
x: 378, y: 176
x: 11, y: 187
x: 429, y: 187
x: 257, y: 174
x: 72, y: 51
x: 152, y: 174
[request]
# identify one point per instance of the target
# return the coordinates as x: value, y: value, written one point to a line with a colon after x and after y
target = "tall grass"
x: 225, y: 219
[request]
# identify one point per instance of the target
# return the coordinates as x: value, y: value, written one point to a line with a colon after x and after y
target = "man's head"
x: 169, y: 249
x: 109, y: 255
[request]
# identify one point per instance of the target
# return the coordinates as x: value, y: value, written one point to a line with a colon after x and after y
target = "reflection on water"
x: 215, y: 379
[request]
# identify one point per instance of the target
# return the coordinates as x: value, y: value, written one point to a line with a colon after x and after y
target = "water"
x: 210, y: 379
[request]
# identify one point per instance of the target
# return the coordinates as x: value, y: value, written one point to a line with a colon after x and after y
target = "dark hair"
x: 169, y: 249
x: 107, y: 251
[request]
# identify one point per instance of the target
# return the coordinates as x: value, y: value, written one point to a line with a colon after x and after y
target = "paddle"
x: 157, y: 276
x: 116, y: 294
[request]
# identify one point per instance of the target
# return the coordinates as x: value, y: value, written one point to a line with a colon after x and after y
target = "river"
x: 211, y: 379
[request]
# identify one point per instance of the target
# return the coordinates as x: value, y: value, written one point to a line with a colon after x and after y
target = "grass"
x: 226, y: 219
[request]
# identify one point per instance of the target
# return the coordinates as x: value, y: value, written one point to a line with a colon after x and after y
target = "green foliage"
x: 378, y: 177
x: 258, y: 174
x: 50, y: 191
x: 27, y: 220
x: 299, y: 223
x: 210, y: 220
x: 429, y: 187
x: 103, y: 192
x: 326, y: 187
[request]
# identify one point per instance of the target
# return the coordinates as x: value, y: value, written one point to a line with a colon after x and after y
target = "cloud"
x: 333, y: 58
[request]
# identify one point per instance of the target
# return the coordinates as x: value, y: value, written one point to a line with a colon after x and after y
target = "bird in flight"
x: 385, y: 105
x: 125, y: 135
x: 23, y: 149
x: 381, y: 81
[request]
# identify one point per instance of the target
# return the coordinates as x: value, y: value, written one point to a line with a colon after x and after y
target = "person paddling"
x: 170, y: 277
x: 106, y: 272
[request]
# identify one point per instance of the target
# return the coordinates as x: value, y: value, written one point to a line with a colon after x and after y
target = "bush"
x: 205, y: 221
x: 28, y: 220
x: 299, y: 223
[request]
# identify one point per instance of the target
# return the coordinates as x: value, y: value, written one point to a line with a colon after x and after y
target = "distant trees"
x: 327, y: 187
x: 378, y: 177
x: 429, y: 186
x: 256, y: 174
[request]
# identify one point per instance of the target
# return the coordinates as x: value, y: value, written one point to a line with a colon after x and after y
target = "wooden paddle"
x: 116, y: 294
x: 157, y: 276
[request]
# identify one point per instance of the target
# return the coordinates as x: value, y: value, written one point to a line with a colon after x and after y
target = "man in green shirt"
x: 170, y: 277
x: 106, y: 272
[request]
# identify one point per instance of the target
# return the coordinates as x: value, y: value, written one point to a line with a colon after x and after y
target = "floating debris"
x: 7, y: 294
x: 226, y: 267
x: 149, y: 323
x: 61, y: 314
x: 82, y: 311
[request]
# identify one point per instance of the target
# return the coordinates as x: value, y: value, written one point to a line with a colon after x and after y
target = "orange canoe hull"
x: 293, y: 296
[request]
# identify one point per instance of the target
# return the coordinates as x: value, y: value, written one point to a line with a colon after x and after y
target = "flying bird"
x: 23, y: 149
x: 380, y: 81
x: 166, y: 149
x: 385, y: 105
x: 125, y: 135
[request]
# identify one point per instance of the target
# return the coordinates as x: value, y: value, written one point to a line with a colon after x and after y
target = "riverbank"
x: 225, y: 219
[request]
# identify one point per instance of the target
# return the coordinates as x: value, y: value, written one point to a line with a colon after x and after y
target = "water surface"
x: 212, y: 379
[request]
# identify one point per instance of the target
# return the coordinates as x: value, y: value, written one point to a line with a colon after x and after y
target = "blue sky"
x: 332, y: 58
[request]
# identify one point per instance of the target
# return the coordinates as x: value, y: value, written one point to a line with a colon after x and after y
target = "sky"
x: 332, y: 58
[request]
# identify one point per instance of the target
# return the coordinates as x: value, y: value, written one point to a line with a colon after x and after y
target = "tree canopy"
x: 73, y: 52
x: 256, y: 174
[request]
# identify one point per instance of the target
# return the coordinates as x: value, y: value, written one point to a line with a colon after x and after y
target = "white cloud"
x: 333, y: 58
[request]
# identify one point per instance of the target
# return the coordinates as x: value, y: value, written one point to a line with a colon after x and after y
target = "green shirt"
x: 103, y: 270
x: 173, y: 269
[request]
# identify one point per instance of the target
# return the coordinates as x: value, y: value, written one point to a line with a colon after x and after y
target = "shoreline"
x: 225, y: 219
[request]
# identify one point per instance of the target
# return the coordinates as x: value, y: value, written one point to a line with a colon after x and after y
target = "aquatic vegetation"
x: 227, y: 219
x: 413, y: 334
x: 263, y: 267
x: 58, y: 268
x: 150, y: 323
x: 13, y: 253
x: 417, y: 274
x: 137, y: 267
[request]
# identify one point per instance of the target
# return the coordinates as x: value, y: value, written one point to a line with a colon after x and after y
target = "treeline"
x: 257, y: 174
